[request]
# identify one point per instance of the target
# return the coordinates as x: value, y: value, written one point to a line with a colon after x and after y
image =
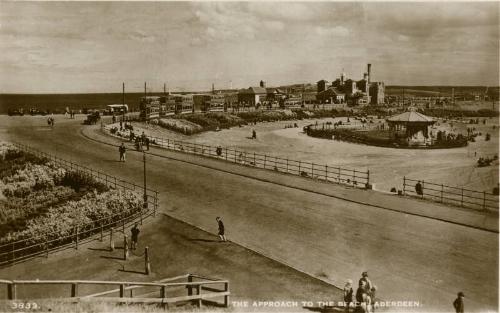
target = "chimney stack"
x: 213, y: 88
x: 262, y: 84
x: 369, y: 72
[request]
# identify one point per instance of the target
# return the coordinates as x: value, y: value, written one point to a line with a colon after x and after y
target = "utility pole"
x: 145, y: 205
x: 123, y: 101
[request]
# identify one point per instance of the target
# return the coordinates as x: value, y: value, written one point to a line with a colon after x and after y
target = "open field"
x: 329, y: 238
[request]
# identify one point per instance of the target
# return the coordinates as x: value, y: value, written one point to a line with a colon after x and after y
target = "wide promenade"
x: 409, y: 257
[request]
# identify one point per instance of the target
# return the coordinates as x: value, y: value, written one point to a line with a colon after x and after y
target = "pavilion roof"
x: 411, y: 116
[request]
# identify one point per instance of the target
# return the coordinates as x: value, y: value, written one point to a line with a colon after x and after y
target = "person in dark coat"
x: 122, y: 151
x: 458, y: 304
x: 135, y: 236
x: 418, y: 188
x: 221, y: 229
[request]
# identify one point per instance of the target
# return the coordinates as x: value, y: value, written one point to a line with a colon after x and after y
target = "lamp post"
x: 145, y: 197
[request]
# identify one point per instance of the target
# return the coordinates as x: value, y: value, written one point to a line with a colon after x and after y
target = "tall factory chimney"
x: 123, y: 93
x: 213, y: 88
x: 369, y: 72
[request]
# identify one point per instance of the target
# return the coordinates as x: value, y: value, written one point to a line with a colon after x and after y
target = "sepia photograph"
x: 249, y: 156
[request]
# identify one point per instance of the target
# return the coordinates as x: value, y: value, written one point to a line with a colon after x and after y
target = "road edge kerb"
x: 300, y: 188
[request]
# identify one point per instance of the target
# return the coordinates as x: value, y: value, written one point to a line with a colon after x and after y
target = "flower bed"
x: 40, y: 201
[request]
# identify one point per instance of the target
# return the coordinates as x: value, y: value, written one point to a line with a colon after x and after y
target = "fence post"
x: 122, y: 290
x: 11, y: 291
x: 442, y: 190
x: 189, y: 287
x: 163, y: 293
x: 226, y: 297
x: 484, y: 200
x: 287, y: 165
x: 74, y: 290
x: 111, y: 242
x: 326, y: 172
x: 404, y: 185
x: 462, y: 200
x: 76, y: 241
x: 368, y: 177
x: 146, y: 261
x: 299, y: 168
x: 155, y: 207
x: 198, y: 292
x: 125, y: 247
x: 265, y: 159
x: 353, y: 177
x: 254, y: 164
x: 423, y: 188
x: 226, y: 153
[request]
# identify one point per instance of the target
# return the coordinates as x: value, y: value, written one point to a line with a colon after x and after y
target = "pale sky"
x: 95, y: 46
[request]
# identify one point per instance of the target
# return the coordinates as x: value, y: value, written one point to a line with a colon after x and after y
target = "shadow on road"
x: 111, y: 257
x: 129, y: 271
x: 204, y: 240
x: 99, y: 249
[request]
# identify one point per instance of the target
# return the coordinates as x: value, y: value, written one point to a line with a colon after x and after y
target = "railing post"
x: 368, y: 177
x: 189, y: 287
x: 353, y: 177
x: 312, y: 170
x: 442, y: 190
x: 74, y: 290
x: 462, y: 200
x: 484, y: 200
x: 423, y: 188
x: 125, y: 247
x: 254, y: 164
x: 299, y: 168
x: 122, y: 290
x: 76, y: 240
x: 198, y: 292
x: 11, y: 291
x: 287, y: 165
x: 163, y: 293
x: 265, y: 159
x: 339, y: 176
x: 404, y: 185
x: 146, y: 261
x: 226, y: 297
x: 111, y: 242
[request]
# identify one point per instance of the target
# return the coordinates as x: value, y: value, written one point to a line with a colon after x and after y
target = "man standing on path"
x: 221, y: 229
x: 135, y: 236
x: 122, y: 151
x: 458, y: 304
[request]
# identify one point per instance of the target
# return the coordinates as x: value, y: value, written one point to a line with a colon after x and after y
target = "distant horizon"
x: 207, y: 91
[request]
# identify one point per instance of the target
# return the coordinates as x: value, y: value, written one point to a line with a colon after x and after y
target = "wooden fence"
x: 186, y: 288
x: 20, y: 250
x: 452, y: 195
x: 352, y: 177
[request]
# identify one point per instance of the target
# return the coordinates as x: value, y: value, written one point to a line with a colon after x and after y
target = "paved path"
x: 409, y: 257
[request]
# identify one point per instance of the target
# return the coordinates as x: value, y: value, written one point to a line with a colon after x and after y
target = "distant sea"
x: 58, y: 102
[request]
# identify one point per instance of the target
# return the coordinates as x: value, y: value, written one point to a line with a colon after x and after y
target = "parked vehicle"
x: 92, y: 118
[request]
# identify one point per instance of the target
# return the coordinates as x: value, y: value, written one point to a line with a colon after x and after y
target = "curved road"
x: 409, y: 258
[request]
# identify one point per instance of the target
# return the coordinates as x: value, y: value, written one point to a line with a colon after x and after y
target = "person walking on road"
x: 221, y: 229
x: 368, y: 284
x: 458, y: 304
x: 122, y: 151
x: 135, y: 236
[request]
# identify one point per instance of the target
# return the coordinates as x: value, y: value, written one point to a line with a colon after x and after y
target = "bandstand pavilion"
x: 412, y: 123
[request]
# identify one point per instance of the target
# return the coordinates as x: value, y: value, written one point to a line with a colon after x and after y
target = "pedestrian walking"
x: 122, y: 151
x: 458, y: 304
x: 147, y: 143
x: 348, y: 293
x: 254, y: 134
x: 135, y: 236
x: 222, y: 236
x: 114, y: 119
x: 360, y: 297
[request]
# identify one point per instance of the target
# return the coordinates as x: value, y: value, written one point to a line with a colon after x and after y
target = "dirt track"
x: 408, y: 257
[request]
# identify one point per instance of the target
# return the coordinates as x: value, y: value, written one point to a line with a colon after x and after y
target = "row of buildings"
x: 341, y: 92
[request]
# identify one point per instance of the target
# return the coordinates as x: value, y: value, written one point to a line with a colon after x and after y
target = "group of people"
x: 364, y: 300
x: 140, y: 141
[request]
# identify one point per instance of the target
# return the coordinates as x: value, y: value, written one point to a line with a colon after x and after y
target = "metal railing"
x: 24, y: 249
x: 352, y: 177
x: 452, y: 195
x: 165, y: 291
